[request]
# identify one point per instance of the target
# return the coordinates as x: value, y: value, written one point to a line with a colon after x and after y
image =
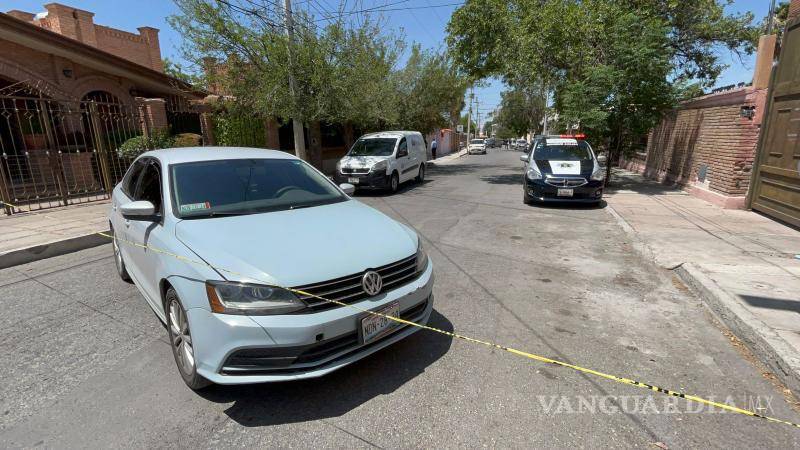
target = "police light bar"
x: 575, y: 136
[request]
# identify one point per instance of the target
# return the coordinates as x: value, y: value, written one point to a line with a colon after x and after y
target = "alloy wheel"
x: 181, y: 337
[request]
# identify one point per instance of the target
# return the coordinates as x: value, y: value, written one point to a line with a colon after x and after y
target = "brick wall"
x: 794, y: 9
x: 707, y: 133
x: 142, y: 48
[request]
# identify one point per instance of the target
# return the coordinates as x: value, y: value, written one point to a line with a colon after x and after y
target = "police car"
x: 563, y: 168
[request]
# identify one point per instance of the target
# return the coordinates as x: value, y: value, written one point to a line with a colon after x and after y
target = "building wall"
x: 710, y: 135
x: 59, y: 78
x: 142, y: 48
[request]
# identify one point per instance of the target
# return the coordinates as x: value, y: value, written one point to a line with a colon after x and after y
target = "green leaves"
x: 344, y: 71
x: 612, y: 67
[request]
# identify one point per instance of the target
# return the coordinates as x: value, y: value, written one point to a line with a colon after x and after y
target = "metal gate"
x: 55, y: 153
x: 775, y: 190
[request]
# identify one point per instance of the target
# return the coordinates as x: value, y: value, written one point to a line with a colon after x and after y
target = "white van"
x: 383, y: 160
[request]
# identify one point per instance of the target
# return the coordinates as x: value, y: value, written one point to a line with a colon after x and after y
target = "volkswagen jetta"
x: 238, y: 252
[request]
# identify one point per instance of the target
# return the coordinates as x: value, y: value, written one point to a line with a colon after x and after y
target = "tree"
x: 612, y: 66
x: 520, y: 111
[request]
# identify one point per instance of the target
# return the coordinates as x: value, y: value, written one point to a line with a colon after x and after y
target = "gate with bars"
x: 57, y: 153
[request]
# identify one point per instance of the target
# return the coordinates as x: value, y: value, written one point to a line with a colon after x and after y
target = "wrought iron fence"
x: 56, y: 153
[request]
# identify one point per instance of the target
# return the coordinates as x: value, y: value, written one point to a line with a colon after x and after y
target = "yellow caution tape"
x: 514, y: 351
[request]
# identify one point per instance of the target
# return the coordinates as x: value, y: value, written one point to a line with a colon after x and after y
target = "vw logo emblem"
x: 372, y: 283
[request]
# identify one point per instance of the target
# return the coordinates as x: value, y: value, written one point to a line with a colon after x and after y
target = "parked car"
x: 492, y: 142
x: 383, y: 160
x: 477, y: 146
x: 563, y: 168
x: 255, y: 222
x: 521, y: 145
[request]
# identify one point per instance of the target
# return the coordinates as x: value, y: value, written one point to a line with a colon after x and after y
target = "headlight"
x: 598, y: 174
x: 422, y: 257
x: 380, y: 165
x: 339, y: 165
x: 250, y: 299
x: 533, y: 171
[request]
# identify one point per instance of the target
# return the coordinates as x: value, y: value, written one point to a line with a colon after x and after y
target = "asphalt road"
x: 86, y: 363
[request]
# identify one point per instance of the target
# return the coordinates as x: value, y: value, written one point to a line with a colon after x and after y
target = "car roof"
x: 390, y: 134
x: 193, y: 154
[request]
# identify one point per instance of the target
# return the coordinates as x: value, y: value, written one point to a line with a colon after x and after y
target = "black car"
x: 562, y: 168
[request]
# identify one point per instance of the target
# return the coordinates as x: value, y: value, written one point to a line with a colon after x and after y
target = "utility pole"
x: 478, y: 115
x: 297, y: 120
x: 469, y: 113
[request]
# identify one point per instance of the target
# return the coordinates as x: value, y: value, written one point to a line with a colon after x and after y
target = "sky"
x: 424, y: 22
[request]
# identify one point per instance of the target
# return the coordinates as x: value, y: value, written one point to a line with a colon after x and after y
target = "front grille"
x: 298, y: 359
x: 348, y: 289
x: 349, y: 170
x: 565, y: 181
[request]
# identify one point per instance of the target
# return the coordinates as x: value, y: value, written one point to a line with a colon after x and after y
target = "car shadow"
x: 337, y: 393
x: 508, y: 178
x: 569, y: 205
x: 405, y: 187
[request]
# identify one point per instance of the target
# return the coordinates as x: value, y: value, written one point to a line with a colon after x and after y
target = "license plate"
x: 374, y: 326
x: 565, y: 192
x: 352, y: 180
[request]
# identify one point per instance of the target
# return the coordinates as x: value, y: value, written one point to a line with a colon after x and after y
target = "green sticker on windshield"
x: 195, y: 207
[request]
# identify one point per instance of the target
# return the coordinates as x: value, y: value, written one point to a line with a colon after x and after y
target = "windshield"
x: 476, y: 141
x: 247, y: 186
x: 562, y: 151
x: 373, y: 147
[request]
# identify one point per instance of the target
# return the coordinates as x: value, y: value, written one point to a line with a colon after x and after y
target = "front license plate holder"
x: 565, y: 192
x: 373, y: 327
x: 352, y: 180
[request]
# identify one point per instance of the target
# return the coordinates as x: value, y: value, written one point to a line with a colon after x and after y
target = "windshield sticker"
x: 191, y: 207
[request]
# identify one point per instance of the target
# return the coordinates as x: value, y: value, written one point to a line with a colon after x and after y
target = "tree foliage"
x: 344, y: 71
x: 612, y: 66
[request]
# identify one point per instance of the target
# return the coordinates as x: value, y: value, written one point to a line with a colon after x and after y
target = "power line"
x: 383, y: 8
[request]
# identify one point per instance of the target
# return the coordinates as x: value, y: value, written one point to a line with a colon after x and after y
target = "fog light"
x: 598, y: 194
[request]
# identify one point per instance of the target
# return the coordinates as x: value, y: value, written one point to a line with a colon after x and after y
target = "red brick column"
x: 271, y: 128
x: 152, y: 114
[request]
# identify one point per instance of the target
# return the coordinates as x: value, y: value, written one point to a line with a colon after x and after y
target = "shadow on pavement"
x: 339, y: 392
x: 404, y: 187
x: 629, y: 181
x: 460, y: 168
x: 569, y: 205
x: 509, y: 178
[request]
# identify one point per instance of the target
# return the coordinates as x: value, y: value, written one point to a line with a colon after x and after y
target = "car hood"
x: 359, y: 162
x: 299, y: 247
x: 582, y: 168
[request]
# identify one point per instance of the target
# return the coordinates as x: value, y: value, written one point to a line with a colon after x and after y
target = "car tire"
x: 122, y: 271
x: 527, y: 199
x: 180, y: 339
x: 394, y: 182
x: 421, y: 174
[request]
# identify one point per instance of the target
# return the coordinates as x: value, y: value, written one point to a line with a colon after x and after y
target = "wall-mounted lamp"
x: 747, y: 112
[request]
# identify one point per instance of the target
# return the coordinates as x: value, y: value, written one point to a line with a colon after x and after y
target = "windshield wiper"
x: 217, y: 214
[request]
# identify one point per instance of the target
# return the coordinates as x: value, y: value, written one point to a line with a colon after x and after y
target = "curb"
x: 50, y: 249
x: 762, y: 340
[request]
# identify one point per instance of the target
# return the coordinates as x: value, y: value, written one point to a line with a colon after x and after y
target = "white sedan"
x: 221, y: 241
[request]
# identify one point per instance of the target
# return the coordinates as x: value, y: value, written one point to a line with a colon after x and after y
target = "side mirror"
x: 523, y: 158
x: 402, y: 153
x: 139, y: 210
x: 602, y: 159
x: 348, y: 188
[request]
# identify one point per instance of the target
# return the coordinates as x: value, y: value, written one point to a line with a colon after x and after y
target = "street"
x: 88, y: 364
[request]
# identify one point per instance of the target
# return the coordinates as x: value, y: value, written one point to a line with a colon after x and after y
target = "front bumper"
x: 590, y: 192
x: 377, y: 179
x: 233, y: 349
x: 477, y: 151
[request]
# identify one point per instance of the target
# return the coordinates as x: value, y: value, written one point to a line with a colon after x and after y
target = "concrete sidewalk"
x: 27, y: 237
x: 740, y: 262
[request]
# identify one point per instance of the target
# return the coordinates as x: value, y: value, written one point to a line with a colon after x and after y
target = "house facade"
x: 71, y: 92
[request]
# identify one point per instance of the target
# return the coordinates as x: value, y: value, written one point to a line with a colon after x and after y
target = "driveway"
x: 87, y: 364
